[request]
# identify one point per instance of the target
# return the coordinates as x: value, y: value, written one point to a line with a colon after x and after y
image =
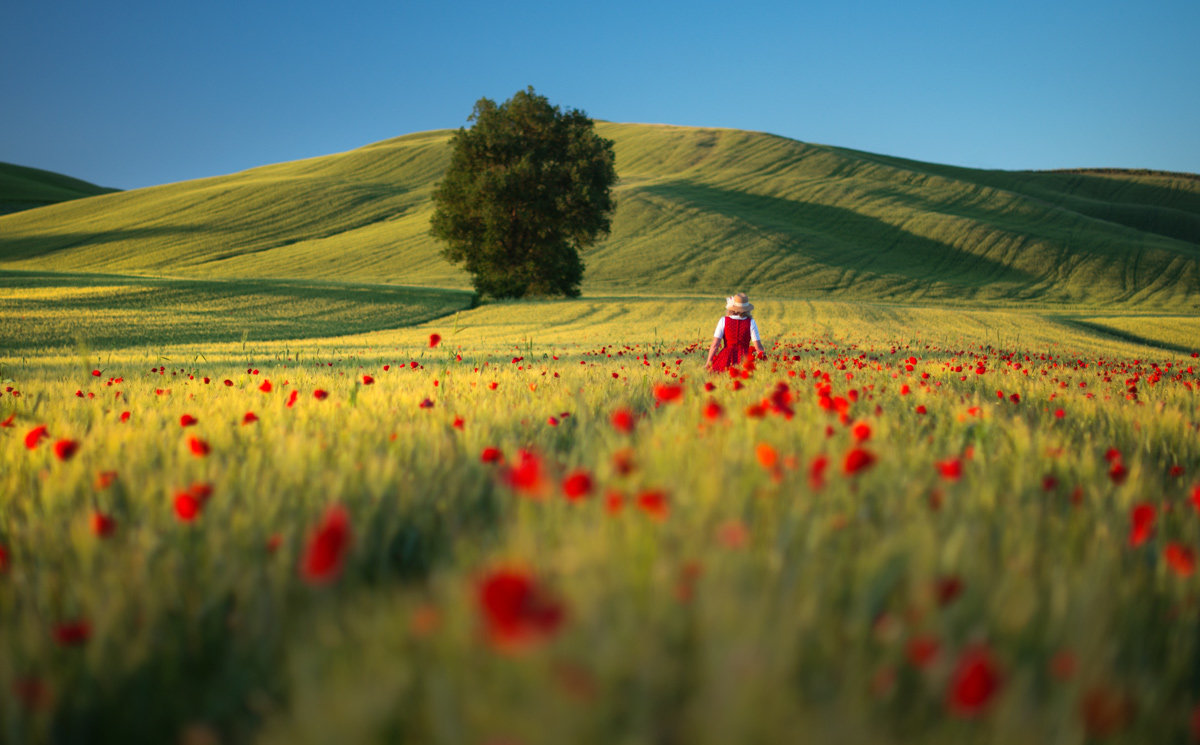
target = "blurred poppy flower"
x: 35, y: 436
x: 65, y: 449
x: 974, y: 682
x: 623, y: 421
x: 857, y: 460
x: 199, y: 448
x: 1141, y: 528
x: 328, y: 544
x: 516, y: 609
x: 102, y: 525
x: 72, y: 633
x: 577, y: 485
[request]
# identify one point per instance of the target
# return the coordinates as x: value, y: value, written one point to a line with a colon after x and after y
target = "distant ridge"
x: 1123, y: 172
x: 22, y: 188
x: 699, y: 211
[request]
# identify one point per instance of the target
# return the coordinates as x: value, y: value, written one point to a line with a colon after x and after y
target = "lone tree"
x: 528, y: 186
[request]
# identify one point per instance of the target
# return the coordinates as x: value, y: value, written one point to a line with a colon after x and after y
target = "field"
x: 907, y: 524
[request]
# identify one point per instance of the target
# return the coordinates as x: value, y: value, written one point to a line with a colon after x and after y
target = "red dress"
x: 737, y: 344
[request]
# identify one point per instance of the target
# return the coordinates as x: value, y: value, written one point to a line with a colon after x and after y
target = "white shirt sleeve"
x: 720, y: 332
x: 753, y: 330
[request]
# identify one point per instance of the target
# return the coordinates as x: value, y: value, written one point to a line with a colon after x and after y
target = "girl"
x: 738, y: 330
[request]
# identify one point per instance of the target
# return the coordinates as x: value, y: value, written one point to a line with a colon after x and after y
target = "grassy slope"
x: 23, y: 188
x: 699, y: 211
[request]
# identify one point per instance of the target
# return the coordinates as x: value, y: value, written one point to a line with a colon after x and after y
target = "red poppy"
x: 491, y: 455
x: 1141, y: 519
x: 526, y: 477
x: 368, y: 380
x: 35, y: 436
x: 974, y: 683
x: 426, y: 403
x: 265, y: 387
x: 921, y: 409
x: 857, y: 461
x: 188, y: 506
x: 654, y: 504
x: 1118, y: 472
x: 861, y: 432
x: 292, y: 398
x: 102, y: 525
x: 713, y: 411
x: 666, y: 393
x: 320, y: 395
x: 950, y: 469
x: 9, y: 421
x: 105, y: 479
x: 1180, y: 558
x: 434, y: 340
x: 552, y: 421
x: 95, y: 373
x: 3, y: 559
x: 623, y: 421
x: 1195, y: 498
x: 458, y: 422
x: 72, y: 634
x: 767, y: 457
x: 327, y: 547
x: 577, y: 485
x: 816, y: 472
x: 187, y: 420
x: 199, y: 447
x: 228, y: 383
x: 614, y: 502
x: 947, y: 589
x: 517, y: 610
x: 623, y: 461
x: 124, y: 416
x: 65, y: 449
x: 921, y: 651
x: 249, y: 418
x: 32, y: 693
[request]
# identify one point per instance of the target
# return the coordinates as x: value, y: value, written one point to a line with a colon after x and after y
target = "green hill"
x: 699, y: 211
x: 23, y: 188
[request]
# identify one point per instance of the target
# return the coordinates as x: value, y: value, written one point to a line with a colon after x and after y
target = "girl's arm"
x: 712, y: 352
x: 758, y: 345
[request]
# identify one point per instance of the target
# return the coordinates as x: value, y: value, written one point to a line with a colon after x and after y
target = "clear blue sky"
x: 130, y: 94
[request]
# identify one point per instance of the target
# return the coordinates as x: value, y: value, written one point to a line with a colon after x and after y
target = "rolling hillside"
x: 23, y: 188
x: 699, y: 211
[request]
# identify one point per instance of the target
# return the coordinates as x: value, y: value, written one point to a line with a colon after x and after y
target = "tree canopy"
x: 528, y: 187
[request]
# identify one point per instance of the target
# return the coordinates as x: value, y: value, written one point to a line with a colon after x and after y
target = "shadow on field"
x: 129, y: 311
x: 22, y: 247
x: 847, y: 240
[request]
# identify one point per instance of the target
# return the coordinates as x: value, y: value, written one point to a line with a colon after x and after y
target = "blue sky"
x: 130, y: 94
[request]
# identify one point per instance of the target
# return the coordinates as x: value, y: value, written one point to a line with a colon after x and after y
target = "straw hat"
x: 738, y: 304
